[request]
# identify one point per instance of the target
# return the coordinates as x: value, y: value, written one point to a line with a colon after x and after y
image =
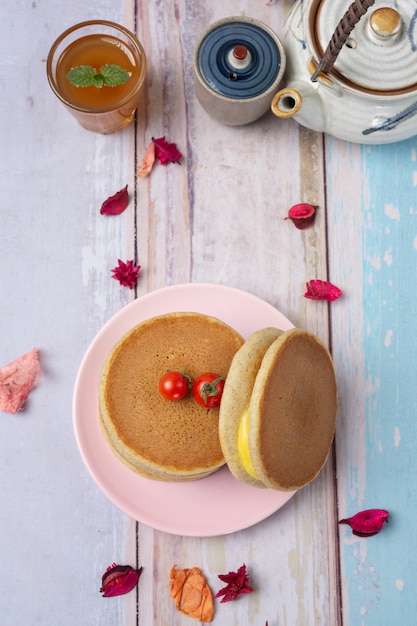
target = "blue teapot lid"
x: 239, y: 59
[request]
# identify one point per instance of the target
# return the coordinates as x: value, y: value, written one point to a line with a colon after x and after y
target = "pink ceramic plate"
x: 215, y: 505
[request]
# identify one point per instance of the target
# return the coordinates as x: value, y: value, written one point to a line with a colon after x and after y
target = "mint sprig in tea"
x: 109, y: 75
x: 96, y: 71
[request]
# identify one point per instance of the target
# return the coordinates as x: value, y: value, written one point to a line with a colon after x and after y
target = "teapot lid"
x: 239, y: 58
x: 380, y: 54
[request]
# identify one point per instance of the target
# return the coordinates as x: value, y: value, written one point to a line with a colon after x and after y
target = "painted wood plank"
x: 220, y: 218
x: 58, y: 531
x: 373, y: 330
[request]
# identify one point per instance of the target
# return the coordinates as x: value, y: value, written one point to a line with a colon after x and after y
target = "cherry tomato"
x: 173, y: 386
x: 208, y: 389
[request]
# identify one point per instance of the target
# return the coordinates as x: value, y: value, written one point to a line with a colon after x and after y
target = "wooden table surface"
x: 217, y: 218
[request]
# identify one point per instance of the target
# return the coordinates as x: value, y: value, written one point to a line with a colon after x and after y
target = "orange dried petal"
x: 146, y: 165
x: 191, y: 593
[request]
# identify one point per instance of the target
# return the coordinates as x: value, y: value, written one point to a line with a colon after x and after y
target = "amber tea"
x: 94, y: 46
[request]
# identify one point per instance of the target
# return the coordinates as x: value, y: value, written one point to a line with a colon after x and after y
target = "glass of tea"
x: 97, y: 69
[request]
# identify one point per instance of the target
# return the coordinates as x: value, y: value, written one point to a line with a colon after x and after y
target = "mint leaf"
x: 97, y: 80
x: 114, y: 75
x: 81, y: 76
x: 109, y: 75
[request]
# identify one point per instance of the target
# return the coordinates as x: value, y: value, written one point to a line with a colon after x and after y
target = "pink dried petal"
x: 126, y: 273
x: 367, y: 523
x: 302, y: 215
x: 166, y: 152
x: 237, y: 583
x: 119, y: 579
x: 146, y: 165
x: 322, y: 290
x: 115, y: 204
x: 17, y: 379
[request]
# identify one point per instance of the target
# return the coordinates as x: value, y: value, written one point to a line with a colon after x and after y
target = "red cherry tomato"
x: 173, y: 386
x: 208, y: 390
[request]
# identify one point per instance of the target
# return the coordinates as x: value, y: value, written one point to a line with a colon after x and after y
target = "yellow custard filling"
x: 243, y: 444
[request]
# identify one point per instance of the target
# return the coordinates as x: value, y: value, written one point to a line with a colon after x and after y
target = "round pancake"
x: 162, y: 439
x: 293, y: 411
x: 237, y: 394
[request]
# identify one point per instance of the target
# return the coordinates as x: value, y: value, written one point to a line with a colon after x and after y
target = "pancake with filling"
x: 237, y: 393
x: 282, y: 436
x: 162, y: 439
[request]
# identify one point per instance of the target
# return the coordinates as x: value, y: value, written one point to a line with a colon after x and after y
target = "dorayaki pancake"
x: 162, y: 439
x: 237, y: 395
x: 293, y: 411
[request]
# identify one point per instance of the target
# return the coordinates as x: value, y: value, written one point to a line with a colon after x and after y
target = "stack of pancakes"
x: 158, y: 438
x: 276, y: 421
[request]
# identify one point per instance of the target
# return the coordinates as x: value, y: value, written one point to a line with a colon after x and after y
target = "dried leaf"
x: 17, y: 379
x: 237, y: 583
x: 166, y: 152
x: 322, y: 290
x: 126, y: 273
x: 191, y: 593
x: 115, y: 204
x: 367, y: 523
x: 146, y: 165
x: 302, y: 215
x: 119, y: 579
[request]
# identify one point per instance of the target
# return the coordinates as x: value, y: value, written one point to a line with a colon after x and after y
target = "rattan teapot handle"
x: 341, y: 34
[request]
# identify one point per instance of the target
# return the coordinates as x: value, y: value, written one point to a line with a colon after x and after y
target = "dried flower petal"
x: 367, y: 523
x: 302, y: 215
x: 115, y: 204
x: 322, y: 290
x: 17, y: 379
x: 237, y: 583
x: 126, y: 273
x: 146, y: 165
x: 119, y: 579
x: 191, y: 593
x: 166, y: 152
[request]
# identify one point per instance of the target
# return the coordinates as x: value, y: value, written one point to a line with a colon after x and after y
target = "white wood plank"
x: 220, y: 218
x: 59, y: 532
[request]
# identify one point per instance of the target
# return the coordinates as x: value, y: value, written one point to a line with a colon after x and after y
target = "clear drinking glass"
x: 97, y: 43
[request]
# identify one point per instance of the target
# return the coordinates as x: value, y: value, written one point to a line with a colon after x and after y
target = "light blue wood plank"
x: 376, y: 460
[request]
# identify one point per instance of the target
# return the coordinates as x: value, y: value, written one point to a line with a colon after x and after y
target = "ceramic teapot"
x: 351, y: 69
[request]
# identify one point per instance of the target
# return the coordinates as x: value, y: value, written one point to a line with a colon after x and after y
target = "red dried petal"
x: 302, y: 215
x: 17, y: 379
x: 237, y: 583
x: 115, y: 204
x: 119, y: 579
x: 322, y: 290
x: 166, y: 152
x: 146, y: 165
x: 367, y: 523
x: 126, y: 273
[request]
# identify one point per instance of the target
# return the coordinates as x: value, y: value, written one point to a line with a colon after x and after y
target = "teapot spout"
x: 301, y: 101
